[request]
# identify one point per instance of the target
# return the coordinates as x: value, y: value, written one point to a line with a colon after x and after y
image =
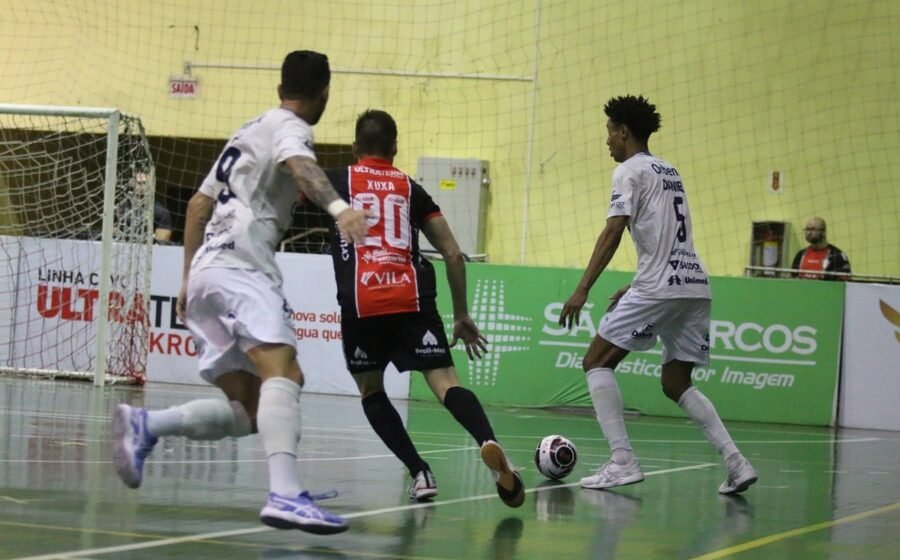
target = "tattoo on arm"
x: 312, y: 181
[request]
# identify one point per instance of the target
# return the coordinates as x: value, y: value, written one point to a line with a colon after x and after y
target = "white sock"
x: 278, y: 421
x: 703, y: 413
x: 610, y: 411
x: 202, y: 419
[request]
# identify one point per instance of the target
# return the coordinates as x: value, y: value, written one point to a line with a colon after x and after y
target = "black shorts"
x: 412, y: 341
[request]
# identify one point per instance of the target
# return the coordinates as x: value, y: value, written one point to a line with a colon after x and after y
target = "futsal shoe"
x: 510, y: 487
x: 741, y: 475
x: 424, y: 487
x: 133, y: 443
x: 613, y: 474
x: 301, y: 513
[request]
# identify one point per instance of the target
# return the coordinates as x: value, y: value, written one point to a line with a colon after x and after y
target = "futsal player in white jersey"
x: 232, y: 301
x: 668, y: 298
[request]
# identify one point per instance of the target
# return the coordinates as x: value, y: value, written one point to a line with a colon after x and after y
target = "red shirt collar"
x: 374, y: 162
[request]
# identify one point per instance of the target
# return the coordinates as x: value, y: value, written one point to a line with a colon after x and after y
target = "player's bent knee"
x: 674, y: 389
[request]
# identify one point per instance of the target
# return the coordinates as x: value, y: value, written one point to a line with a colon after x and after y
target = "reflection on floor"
x: 822, y: 493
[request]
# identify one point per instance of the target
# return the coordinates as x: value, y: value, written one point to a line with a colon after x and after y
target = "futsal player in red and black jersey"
x: 386, y: 290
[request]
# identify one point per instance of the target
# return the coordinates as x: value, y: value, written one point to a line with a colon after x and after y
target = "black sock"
x: 464, y: 406
x: 386, y: 422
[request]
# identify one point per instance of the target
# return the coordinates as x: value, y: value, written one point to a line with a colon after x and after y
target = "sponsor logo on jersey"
x: 689, y: 266
x: 663, y: 170
x: 378, y: 172
x: 615, y: 202
x: 371, y: 279
x: 345, y: 250
x: 645, y: 331
x: 674, y: 280
x: 359, y: 354
x: 683, y: 253
x: 219, y: 247
x: 381, y: 256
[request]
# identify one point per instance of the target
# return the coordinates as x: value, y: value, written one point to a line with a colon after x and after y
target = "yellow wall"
x: 805, y: 87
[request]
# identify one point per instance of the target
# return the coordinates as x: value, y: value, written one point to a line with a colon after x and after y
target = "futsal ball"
x: 555, y: 457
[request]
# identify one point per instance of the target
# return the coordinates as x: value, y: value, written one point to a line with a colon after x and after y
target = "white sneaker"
x: 300, y: 512
x: 613, y: 474
x: 510, y: 486
x: 132, y: 443
x: 740, y: 476
x: 424, y: 487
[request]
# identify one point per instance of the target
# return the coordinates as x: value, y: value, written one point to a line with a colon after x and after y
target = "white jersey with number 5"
x: 254, y: 193
x: 649, y: 191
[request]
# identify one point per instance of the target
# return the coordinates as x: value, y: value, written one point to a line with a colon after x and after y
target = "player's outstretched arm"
x: 438, y: 233
x: 604, y: 249
x: 313, y: 183
x: 199, y: 212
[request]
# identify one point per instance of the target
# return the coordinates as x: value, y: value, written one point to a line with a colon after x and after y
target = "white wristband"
x: 336, y: 207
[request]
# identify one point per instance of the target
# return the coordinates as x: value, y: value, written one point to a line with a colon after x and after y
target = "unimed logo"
x: 506, y: 332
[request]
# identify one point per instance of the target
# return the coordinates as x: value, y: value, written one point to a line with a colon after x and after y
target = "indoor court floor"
x: 822, y: 493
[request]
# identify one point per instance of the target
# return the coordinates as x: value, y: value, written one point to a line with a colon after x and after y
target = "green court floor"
x: 822, y: 493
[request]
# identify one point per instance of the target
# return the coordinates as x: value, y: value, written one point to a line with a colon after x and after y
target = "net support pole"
x: 106, y: 245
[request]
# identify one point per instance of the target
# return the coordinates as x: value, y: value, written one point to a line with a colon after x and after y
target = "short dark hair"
x: 304, y: 74
x: 376, y: 133
x: 637, y: 113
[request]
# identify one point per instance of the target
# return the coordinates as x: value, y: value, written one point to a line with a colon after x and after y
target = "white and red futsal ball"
x: 555, y: 457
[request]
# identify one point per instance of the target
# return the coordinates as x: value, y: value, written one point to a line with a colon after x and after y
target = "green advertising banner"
x: 774, y: 345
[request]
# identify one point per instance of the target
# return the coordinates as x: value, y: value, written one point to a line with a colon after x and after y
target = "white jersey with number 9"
x: 254, y: 195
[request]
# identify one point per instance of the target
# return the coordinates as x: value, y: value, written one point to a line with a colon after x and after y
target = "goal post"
x: 76, y: 231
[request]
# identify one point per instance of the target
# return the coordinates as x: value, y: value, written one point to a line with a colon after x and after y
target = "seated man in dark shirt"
x: 162, y: 220
x: 820, y: 256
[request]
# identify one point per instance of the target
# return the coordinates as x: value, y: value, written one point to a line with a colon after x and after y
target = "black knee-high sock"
x: 465, y: 407
x: 386, y: 422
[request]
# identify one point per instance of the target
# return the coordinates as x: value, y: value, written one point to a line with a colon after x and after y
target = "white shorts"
x: 682, y: 324
x: 229, y: 311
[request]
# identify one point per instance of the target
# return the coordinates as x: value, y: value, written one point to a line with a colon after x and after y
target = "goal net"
x: 76, y: 203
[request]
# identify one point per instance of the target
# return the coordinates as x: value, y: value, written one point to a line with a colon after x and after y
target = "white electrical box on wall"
x: 459, y: 187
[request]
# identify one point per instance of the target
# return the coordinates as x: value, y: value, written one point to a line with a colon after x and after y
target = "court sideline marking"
x: 240, y: 532
x: 750, y: 545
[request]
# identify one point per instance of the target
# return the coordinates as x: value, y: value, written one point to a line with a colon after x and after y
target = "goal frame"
x: 113, y: 117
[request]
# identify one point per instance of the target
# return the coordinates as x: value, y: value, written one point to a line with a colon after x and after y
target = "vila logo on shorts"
x: 360, y: 355
x: 429, y: 339
x: 644, y: 332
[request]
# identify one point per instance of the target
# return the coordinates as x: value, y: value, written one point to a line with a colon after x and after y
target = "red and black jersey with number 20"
x: 386, y: 274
